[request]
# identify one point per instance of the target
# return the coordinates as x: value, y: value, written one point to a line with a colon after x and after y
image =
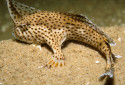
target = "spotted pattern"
x: 53, y: 28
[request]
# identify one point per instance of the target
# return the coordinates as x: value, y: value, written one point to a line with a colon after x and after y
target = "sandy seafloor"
x: 20, y: 63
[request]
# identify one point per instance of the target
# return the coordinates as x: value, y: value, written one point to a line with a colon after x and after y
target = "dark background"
x: 100, y: 12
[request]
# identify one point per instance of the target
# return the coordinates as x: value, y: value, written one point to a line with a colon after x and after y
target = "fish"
x: 54, y: 28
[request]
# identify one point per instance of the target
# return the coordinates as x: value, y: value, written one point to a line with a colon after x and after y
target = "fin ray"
x: 18, y: 10
x: 23, y: 9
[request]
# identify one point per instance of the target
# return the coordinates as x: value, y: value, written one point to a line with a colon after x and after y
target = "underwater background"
x: 101, y: 12
x: 23, y: 64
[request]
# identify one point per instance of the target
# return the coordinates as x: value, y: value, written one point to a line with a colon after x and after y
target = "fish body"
x: 53, y: 28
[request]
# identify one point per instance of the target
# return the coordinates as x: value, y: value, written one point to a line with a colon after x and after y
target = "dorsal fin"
x: 18, y: 10
x: 89, y: 23
x: 81, y: 18
x: 23, y: 9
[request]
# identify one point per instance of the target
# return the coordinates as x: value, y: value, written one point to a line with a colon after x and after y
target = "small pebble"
x: 97, y: 62
x: 118, y: 56
x: 39, y: 46
x: 1, y: 83
x: 119, y: 39
x: 40, y: 67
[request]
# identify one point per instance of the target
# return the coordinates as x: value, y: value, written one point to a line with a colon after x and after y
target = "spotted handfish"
x: 38, y: 27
